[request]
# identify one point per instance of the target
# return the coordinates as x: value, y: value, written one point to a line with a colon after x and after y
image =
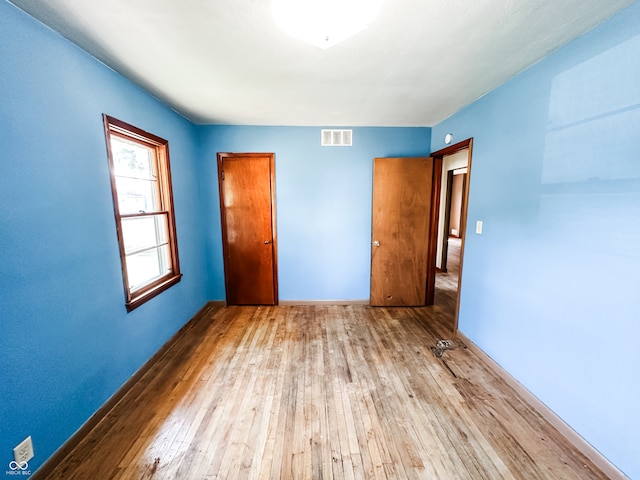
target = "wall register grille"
x: 336, y: 138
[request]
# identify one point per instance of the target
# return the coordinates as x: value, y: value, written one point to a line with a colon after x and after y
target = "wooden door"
x: 403, y: 208
x: 247, y: 209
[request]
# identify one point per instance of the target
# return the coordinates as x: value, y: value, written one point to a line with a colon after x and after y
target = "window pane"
x: 136, y: 196
x: 144, y: 232
x: 132, y: 159
x: 144, y: 267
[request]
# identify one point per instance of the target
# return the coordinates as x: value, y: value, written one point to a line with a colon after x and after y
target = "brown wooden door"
x: 403, y: 207
x: 247, y: 208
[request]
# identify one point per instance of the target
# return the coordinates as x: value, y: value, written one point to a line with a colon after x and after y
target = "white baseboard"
x: 588, y: 450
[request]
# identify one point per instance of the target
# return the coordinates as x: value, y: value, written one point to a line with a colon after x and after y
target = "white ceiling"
x: 226, y: 61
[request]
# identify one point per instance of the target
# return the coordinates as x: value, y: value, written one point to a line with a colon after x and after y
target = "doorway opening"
x: 452, y: 220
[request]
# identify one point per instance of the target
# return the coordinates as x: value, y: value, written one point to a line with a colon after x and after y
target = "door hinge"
x: 222, y: 174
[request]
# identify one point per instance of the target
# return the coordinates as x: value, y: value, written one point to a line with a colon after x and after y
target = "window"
x: 143, y: 206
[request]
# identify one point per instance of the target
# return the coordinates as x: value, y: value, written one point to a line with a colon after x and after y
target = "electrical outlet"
x: 24, y: 451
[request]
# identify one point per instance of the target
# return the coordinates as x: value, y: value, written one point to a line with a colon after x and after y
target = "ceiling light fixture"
x: 324, y: 23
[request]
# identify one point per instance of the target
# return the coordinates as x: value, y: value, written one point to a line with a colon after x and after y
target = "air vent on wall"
x: 336, y: 138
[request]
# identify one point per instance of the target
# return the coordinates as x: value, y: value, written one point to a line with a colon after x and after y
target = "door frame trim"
x: 440, y: 154
x: 223, y: 221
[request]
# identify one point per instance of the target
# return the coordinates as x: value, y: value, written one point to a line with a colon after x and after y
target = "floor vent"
x: 336, y: 138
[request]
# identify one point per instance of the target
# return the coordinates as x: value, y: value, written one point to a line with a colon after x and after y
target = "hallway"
x: 447, y: 282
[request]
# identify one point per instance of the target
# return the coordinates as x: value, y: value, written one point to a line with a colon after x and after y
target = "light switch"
x: 479, y: 227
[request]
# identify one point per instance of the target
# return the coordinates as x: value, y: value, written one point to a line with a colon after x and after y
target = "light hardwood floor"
x: 447, y: 282
x: 322, y: 392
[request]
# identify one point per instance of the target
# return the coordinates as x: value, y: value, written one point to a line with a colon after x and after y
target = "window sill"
x: 147, y: 295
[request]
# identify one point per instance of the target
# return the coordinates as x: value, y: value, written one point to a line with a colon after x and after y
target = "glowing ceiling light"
x: 324, y: 23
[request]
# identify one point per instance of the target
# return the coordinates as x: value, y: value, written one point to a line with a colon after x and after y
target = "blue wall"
x: 67, y: 343
x: 323, y: 203
x: 551, y: 289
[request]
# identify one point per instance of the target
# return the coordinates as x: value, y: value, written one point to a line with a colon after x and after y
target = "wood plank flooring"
x: 335, y: 392
x: 447, y: 282
x: 322, y: 392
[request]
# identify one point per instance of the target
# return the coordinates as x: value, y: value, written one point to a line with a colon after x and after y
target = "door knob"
x: 266, y: 242
x: 376, y: 243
